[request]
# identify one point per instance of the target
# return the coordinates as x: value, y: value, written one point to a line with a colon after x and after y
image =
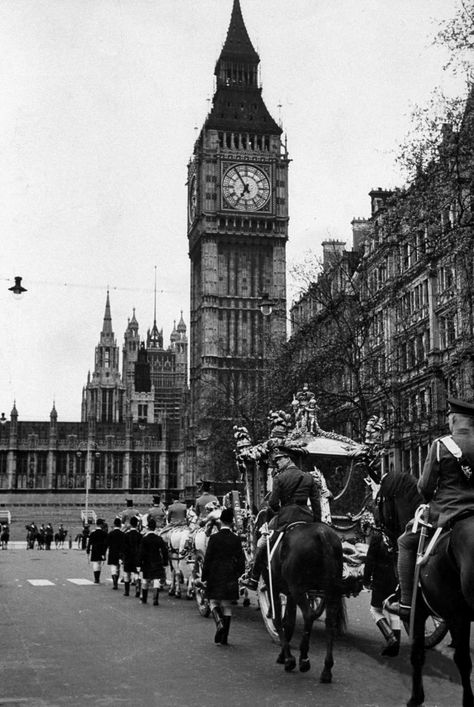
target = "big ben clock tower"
x: 237, y: 231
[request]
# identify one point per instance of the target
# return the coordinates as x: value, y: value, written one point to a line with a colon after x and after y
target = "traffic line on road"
x: 41, y: 582
x: 80, y: 581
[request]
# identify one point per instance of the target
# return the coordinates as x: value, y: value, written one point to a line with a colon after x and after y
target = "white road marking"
x: 40, y: 582
x: 80, y: 580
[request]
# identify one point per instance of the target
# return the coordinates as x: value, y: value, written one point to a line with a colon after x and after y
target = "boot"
x: 144, y: 596
x: 115, y: 581
x: 226, y: 621
x: 155, y: 597
x: 218, y: 618
x: 392, y: 642
x: 126, y: 589
x: 137, y: 588
x: 251, y: 581
x: 393, y: 649
x: 96, y: 576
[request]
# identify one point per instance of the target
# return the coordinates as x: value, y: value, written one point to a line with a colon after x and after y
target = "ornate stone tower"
x: 103, y: 398
x: 237, y: 231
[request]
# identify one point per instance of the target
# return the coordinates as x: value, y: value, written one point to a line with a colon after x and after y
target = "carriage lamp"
x: 3, y: 419
x: 18, y: 288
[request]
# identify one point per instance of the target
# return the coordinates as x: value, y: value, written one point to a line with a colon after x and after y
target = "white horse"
x: 177, y: 538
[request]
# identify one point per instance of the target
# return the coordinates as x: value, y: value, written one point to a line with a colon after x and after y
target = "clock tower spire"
x: 237, y: 233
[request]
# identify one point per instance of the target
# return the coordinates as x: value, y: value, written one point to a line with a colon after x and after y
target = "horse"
x: 447, y: 589
x: 307, y: 561
x: 177, y: 539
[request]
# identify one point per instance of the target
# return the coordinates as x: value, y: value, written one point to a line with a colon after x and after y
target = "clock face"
x: 245, y: 187
x: 192, y: 198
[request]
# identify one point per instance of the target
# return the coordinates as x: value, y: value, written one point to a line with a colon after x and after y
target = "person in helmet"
x: 292, y: 489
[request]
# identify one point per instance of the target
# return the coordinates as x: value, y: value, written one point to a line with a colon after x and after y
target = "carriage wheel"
x: 265, y: 606
x: 318, y: 604
x: 199, y: 594
x: 435, y: 630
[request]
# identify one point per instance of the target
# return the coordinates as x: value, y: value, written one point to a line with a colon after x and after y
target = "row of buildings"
x: 399, y: 305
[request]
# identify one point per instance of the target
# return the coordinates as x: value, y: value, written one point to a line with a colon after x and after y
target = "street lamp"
x: 266, y: 304
x: 18, y: 288
x: 88, y: 447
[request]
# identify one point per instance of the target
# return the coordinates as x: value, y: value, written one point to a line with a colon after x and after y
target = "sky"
x: 100, y: 105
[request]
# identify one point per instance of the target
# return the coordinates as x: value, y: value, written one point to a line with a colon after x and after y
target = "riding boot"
x: 155, y: 597
x: 393, y: 649
x: 389, y: 635
x: 218, y: 618
x: 260, y: 556
x: 115, y: 581
x: 144, y: 596
x: 226, y: 621
x: 126, y: 592
x: 96, y: 576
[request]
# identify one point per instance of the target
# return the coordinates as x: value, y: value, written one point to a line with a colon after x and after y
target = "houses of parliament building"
x: 130, y: 436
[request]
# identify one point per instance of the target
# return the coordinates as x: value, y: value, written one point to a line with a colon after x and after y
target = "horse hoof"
x: 246, y: 602
x: 305, y: 665
x: 178, y: 595
x: 325, y: 678
x: 290, y: 665
x: 171, y: 593
x: 281, y: 659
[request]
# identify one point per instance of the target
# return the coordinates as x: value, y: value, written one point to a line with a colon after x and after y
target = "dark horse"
x: 447, y: 589
x: 307, y: 560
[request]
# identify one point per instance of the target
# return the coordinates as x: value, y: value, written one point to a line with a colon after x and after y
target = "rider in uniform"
x: 447, y: 484
x: 177, y: 512
x: 292, y: 489
x: 158, y: 512
x: 204, y: 498
x: 128, y: 513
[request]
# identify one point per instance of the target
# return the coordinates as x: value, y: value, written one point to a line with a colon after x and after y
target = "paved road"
x: 67, y: 642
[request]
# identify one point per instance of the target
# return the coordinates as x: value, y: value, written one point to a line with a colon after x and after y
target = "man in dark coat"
x: 96, y: 548
x: 152, y: 559
x: 381, y: 578
x: 292, y: 489
x: 131, y: 548
x: 115, y: 542
x: 224, y: 563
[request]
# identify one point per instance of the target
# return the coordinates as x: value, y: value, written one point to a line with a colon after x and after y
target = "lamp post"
x: 88, y: 447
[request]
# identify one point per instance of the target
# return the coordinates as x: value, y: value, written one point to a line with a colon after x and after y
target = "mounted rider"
x: 205, y: 497
x: 294, y: 498
x: 447, y: 485
x: 158, y: 512
x: 128, y: 513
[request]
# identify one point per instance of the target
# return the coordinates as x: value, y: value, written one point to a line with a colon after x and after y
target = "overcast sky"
x: 99, y: 105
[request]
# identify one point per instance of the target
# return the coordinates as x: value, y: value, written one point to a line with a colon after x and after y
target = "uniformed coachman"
x: 294, y: 498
